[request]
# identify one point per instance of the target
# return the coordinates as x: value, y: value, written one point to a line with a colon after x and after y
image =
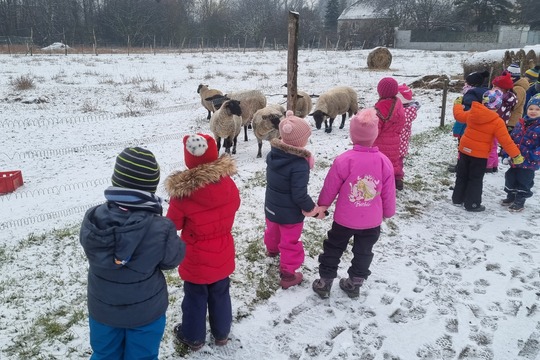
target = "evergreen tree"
x: 485, y: 14
x: 331, y: 16
x: 528, y: 12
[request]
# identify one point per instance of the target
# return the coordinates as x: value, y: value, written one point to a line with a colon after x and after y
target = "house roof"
x: 360, y: 10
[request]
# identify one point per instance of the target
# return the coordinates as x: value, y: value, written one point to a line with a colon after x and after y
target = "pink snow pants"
x: 493, y: 159
x: 285, y: 239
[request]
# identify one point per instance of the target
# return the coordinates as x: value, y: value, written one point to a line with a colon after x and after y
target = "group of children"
x: 486, y: 118
x: 128, y: 241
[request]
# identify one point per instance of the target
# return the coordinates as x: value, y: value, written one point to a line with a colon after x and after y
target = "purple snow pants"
x: 285, y: 239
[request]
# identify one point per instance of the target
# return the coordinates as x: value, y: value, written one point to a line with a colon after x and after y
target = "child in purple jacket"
x: 362, y: 179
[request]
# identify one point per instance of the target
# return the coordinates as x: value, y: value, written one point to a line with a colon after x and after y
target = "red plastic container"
x: 10, y: 180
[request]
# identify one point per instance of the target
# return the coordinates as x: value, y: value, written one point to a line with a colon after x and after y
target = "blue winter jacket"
x: 287, y: 177
x: 133, y: 294
x: 526, y: 135
x: 474, y: 94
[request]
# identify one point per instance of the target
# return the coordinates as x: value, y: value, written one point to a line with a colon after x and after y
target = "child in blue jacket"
x: 519, y: 179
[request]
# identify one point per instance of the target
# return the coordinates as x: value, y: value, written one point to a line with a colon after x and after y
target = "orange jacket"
x: 483, y: 125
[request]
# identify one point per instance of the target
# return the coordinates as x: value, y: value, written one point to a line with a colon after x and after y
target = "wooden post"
x: 443, y: 107
x: 292, y: 60
x: 31, y: 41
x: 64, y: 38
x: 154, y: 44
x: 128, y: 45
x: 245, y: 43
x: 95, y: 41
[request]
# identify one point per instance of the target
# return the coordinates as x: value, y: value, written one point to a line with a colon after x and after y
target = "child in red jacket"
x: 203, y: 204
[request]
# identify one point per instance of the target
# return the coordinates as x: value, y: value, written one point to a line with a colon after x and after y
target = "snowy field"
x: 446, y: 283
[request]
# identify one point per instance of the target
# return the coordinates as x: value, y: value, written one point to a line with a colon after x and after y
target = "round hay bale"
x: 507, y: 59
x: 530, y: 59
x: 379, y: 58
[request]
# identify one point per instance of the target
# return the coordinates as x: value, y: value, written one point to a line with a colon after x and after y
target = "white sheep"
x: 266, y: 124
x: 226, y: 123
x: 206, y: 93
x: 336, y: 101
x: 250, y: 101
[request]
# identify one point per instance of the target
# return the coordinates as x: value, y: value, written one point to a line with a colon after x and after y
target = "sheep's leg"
x: 209, y: 115
x: 218, y: 143
x: 234, y: 144
x: 259, y: 153
x: 245, y: 132
x: 342, y: 121
x: 329, y: 128
x: 227, y: 145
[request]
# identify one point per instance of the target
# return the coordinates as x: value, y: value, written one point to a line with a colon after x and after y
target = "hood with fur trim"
x: 184, y: 183
x: 301, y: 152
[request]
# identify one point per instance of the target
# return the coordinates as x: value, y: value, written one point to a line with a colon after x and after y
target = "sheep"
x: 250, y: 101
x: 338, y: 100
x: 226, y: 123
x: 266, y: 124
x: 303, y: 103
x: 205, y: 93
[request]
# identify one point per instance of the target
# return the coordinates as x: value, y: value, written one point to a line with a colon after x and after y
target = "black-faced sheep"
x: 266, y: 124
x: 336, y: 101
x: 226, y: 123
x: 250, y: 102
x: 206, y: 93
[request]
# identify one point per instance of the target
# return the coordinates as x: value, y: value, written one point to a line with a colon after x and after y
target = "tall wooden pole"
x: 292, y: 61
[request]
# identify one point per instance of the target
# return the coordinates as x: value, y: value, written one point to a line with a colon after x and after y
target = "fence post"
x: 292, y: 61
x: 443, y: 107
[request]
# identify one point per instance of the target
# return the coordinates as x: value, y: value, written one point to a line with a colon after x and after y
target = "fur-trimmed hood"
x: 301, y: 152
x: 184, y: 183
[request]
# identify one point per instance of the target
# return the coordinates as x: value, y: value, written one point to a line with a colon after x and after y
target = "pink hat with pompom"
x: 364, y: 127
x: 293, y: 130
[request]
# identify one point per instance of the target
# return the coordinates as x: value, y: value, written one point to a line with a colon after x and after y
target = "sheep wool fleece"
x: 203, y: 204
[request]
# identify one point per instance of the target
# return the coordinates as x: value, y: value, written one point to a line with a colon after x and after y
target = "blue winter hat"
x: 535, y: 100
x: 514, y: 70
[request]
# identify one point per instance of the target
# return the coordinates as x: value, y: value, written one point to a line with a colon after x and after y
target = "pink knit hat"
x: 294, y: 131
x: 387, y: 87
x: 404, y: 94
x: 364, y: 127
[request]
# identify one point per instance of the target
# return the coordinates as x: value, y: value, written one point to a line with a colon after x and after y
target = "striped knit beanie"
x: 136, y: 168
x: 533, y: 73
x: 514, y: 70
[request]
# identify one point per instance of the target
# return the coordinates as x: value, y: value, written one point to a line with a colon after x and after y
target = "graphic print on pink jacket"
x: 363, y: 181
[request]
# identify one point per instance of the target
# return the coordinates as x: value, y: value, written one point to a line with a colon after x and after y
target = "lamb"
x: 266, y: 124
x: 250, y: 102
x: 205, y: 93
x: 338, y: 100
x: 226, y: 123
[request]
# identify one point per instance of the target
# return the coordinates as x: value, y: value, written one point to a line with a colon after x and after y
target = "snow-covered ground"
x: 446, y: 284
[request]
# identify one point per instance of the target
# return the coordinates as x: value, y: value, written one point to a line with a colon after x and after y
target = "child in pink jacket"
x: 391, y: 121
x: 410, y: 106
x: 362, y: 179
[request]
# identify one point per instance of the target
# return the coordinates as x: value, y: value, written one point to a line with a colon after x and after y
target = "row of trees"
x: 171, y: 22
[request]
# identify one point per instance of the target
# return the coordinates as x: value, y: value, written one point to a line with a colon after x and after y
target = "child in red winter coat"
x: 391, y: 121
x: 203, y: 204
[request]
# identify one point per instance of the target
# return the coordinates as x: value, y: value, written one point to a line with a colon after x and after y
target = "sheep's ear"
x: 199, y: 88
x: 299, y: 96
x: 285, y: 85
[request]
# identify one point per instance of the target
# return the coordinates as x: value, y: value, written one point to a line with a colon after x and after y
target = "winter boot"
x: 351, y: 286
x: 509, y: 199
x: 288, y: 279
x: 221, y: 342
x: 518, y: 205
x: 399, y: 184
x: 322, y: 287
x: 193, y: 346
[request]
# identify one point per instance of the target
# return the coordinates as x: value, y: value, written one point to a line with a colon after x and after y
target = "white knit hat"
x: 514, y: 70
